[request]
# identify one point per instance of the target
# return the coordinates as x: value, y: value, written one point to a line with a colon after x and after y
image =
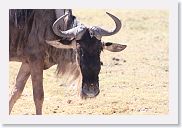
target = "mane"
x: 68, y: 69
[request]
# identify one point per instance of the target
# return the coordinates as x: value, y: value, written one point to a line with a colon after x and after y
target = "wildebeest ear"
x: 58, y: 44
x: 113, y: 47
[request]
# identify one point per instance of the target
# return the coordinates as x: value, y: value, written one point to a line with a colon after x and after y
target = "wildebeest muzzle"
x: 90, y: 90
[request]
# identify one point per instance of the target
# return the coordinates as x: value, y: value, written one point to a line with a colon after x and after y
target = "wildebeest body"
x: 28, y: 31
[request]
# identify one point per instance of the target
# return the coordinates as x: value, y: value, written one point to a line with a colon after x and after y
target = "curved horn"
x: 101, y: 32
x: 56, y: 25
x: 71, y: 33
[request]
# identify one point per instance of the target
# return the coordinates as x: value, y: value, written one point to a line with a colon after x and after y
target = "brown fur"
x: 27, y: 45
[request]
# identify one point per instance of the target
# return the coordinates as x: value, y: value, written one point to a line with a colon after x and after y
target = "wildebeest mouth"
x: 89, y: 90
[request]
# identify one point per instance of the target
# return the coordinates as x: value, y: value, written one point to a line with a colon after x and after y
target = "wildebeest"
x: 33, y: 36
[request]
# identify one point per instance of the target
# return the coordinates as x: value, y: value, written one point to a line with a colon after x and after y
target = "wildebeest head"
x: 88, y: 44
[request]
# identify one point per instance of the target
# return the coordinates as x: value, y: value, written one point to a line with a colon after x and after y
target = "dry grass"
x: 136, y: 84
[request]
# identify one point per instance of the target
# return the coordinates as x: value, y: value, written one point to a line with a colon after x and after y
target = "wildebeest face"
x: 87, y: 42
x: 89, y: 49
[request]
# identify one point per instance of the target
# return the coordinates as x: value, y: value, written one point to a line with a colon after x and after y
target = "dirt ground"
x: 134, y: 81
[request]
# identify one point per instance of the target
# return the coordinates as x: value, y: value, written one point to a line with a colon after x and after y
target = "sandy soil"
x: 134, y: 81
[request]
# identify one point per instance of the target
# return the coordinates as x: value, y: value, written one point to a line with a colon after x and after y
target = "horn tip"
x: 111, y: 15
